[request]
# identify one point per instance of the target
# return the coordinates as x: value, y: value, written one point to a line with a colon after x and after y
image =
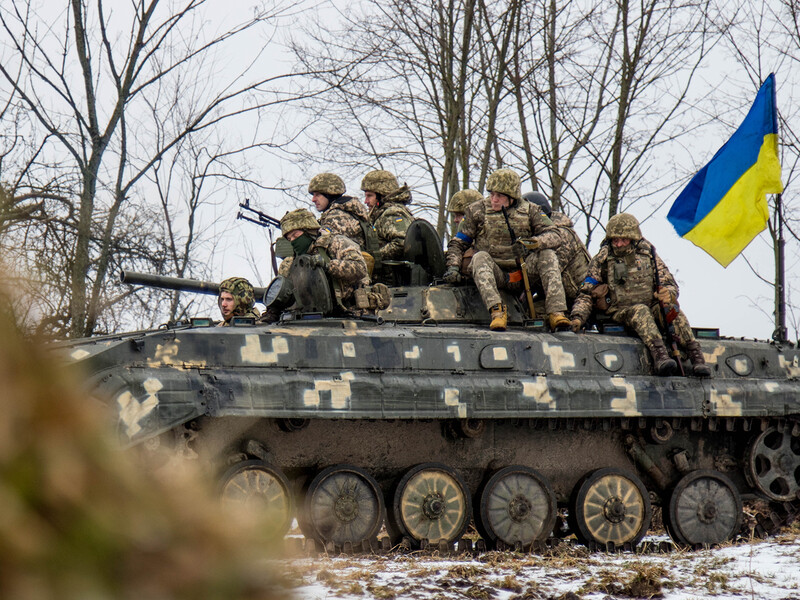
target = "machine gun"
x: 264, y: 220
x: 179, y: 283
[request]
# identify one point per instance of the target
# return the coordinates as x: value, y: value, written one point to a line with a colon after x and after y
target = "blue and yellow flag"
x: 725, y: 206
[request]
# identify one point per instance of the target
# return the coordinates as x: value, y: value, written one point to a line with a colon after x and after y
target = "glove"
x: 575, y: 325
x: 451, y: 275
x: 664, y: 296
x: 519, y: 250
x: 316, y: 261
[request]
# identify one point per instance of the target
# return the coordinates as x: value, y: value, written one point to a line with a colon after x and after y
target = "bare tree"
x: 113, y: 94
x: 416, y: 86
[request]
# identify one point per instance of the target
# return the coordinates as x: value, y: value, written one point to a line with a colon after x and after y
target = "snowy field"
x: 761, y: 569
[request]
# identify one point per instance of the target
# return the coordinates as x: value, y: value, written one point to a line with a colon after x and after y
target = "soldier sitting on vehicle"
x: 388, y: 213
x: 458, y: 205
x: 622, y: 278
x: 343, y: 215
x: 236, y: 299
x: 573, y: 257
x: 339, y: 256
x: 494, y: 265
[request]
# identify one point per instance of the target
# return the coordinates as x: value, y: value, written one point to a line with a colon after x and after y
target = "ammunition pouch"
x: 373, y: 297
x: 370, y: 260
x: 601, y: 297
x: 466, y: 262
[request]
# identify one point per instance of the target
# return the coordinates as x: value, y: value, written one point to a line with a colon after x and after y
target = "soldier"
x: 388, y: 213
x: 493, y: 265
x: 459, y: 203
x: 573, y: 257
x: 341, y: 214
x: 236, y: 299
x: 338, y: 255
x: 623, y: 276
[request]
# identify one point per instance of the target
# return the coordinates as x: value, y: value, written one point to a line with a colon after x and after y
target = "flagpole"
x: 779, y: 335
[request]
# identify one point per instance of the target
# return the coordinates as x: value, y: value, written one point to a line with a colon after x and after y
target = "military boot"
x: 699, y: 366
x: 662, y: 363
x: 499, y: 315
x: 558, y: 322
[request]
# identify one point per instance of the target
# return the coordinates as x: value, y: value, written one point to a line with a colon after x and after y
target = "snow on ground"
x: 761, y: 569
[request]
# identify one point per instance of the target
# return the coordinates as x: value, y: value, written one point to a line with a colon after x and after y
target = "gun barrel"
x: 178, y: 283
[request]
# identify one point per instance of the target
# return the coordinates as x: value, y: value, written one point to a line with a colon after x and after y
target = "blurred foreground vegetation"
x: 79, y: 518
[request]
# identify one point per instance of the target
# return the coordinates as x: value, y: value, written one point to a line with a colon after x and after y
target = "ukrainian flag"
x: 725, y: 206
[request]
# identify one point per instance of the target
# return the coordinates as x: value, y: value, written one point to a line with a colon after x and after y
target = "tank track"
x: 781, y: 514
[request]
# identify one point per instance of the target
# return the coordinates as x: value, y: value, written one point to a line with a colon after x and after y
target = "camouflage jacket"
x: 630, y: 278
x: 486, y: 229
x: 344, y: 217
x: 346, y: 266
x: 573, y: 257
x: 391, y: 220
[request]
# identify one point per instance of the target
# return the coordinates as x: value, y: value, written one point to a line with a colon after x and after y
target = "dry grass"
x: 641, y: 581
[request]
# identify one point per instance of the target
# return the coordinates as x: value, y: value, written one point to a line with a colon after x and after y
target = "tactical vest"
x: 493, y: 235
x: 631, y: 279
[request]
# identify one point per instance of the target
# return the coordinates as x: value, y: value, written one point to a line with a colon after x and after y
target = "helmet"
x: 379, y: 182
x: 327, y: 183
x: 623, y: 225
x: 461, y: 200
x: 505, y: 181
x: 541, y: 200
x: 298, y: 219
x: 242, y: 291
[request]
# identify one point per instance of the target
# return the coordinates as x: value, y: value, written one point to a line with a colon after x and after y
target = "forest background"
x: 129, y: 132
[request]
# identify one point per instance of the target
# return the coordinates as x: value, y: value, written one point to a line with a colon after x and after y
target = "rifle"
x: 668, y: 315
x: 521, y: 265
x: 265, y: 221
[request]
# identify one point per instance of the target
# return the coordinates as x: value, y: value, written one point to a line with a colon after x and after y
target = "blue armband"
x: 591, y: 280
x: 464, y: 237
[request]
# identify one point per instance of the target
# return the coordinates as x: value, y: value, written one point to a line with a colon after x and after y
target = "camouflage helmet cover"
x: 379, y: 182
x: 505, y: 181
x: 623, y: 225
x: 327, y: 183
x: 298, y: 219
x: 540, y: 200
x: 243, y: 294
x: 461, y: 200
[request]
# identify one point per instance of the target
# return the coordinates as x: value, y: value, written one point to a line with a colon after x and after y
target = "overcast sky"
x: 733, y: 299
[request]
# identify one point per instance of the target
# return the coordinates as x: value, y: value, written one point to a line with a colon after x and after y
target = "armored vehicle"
x: 420, y: 419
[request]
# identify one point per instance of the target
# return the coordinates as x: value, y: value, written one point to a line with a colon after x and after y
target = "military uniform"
x: 494, y: 265
x: 389, y: 217
x: 493, y: 260
x: 344, y: 216
x: 391, y: 221
x: 573, y: 257
x: 627, y: 276
x: 340, y: 256
x: 243, y: 297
